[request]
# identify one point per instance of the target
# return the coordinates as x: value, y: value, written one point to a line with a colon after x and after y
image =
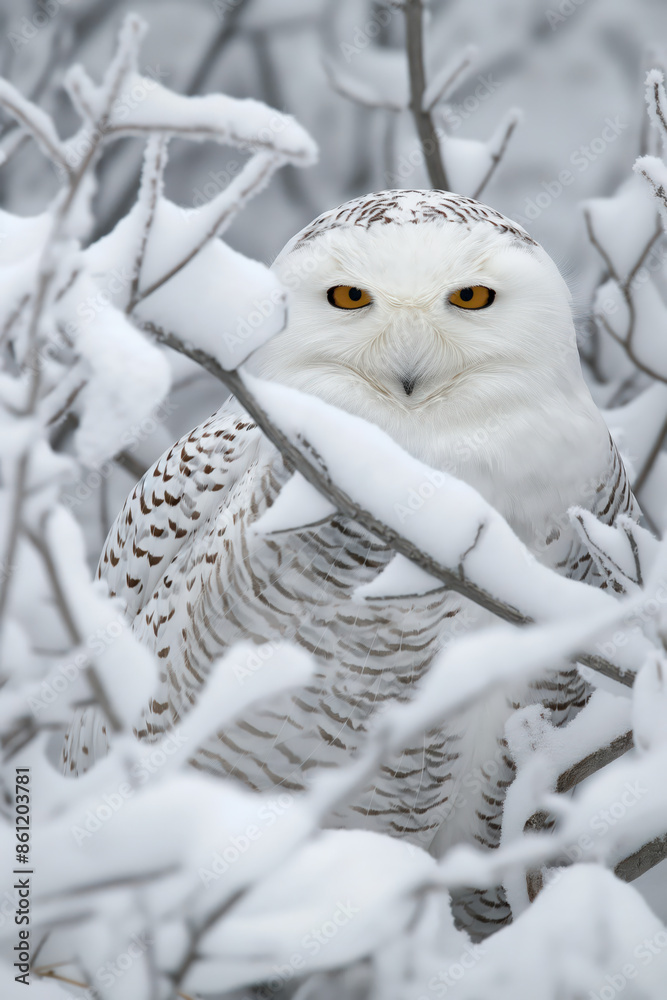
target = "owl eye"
x: 348, y: 297
x: 474, y: 297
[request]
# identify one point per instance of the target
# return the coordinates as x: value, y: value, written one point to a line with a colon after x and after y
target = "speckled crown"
x: 405, y: 206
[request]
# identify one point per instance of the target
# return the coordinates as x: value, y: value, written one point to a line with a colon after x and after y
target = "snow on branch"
x: 521, y: 591
x: 627, y: 231
x: 222, y: 884
x: 71, y: 314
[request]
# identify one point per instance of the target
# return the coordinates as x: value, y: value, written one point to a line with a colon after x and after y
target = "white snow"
x: 377, y: 473
x: 297, y: 504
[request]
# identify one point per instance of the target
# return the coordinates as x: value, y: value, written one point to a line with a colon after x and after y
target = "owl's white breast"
x: 532, y: 461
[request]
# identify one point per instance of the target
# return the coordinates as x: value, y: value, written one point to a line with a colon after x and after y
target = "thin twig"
x: 414, y: 10
x: 496, y: 158
x: 154, y: 182
x: 207, y: 61
x: 263, y: 166
x: 204, y: 64
x: 656, y: 448
x: 197, y: 933
x: 625, y: 287
x: 31, y: 118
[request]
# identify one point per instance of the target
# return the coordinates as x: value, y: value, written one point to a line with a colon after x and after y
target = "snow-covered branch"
x: 525, y: 592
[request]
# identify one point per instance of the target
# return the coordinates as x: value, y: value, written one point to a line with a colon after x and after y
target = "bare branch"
x: 498, y: 155
x: 656, y: 448
x: 430, y: 141
x: 625, y: 288
x: 151, y: 182
x: 629, y: 350
x: 207, y: 61
x: 654, y: 94
x: 363, y: 95
x: 542, y: 821
x: 15, y: 514
x: 442, y: 84
x: 36, y: 122
x: 587, y: 766
x: 643, y: 860
x: 130, y: 464
x: 600, y: 249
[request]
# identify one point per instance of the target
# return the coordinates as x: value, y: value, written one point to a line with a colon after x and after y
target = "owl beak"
x: 408, y: 382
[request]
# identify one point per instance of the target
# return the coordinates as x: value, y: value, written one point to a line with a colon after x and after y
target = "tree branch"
x: 298, y: 460
x: 252, y: 178
x: 414, y: 11
x: 656, y: 448
x: 497, y: 157
x: 625, y: 288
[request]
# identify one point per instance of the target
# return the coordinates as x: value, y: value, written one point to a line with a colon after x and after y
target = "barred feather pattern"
x: 196, y: 578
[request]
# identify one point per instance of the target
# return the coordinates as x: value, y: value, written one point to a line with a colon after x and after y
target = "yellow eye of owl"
x: 474, y: 297
x: 348, y: 297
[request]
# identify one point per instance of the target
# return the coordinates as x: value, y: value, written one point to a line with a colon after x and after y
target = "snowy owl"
x: 446, y: 324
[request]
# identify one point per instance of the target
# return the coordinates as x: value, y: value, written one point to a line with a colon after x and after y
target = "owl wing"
x: 188, y: 485
x: 185, y: 487
x: 569, y: 552
x: 565, y: 693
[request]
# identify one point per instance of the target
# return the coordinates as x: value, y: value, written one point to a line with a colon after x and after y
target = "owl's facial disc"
x: 401, y: 322
x: 406, y: 368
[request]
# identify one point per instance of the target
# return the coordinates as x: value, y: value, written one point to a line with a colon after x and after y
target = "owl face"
x: 410, y: 325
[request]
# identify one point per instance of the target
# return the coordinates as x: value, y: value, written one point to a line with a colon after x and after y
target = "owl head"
x: 422, y: 311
